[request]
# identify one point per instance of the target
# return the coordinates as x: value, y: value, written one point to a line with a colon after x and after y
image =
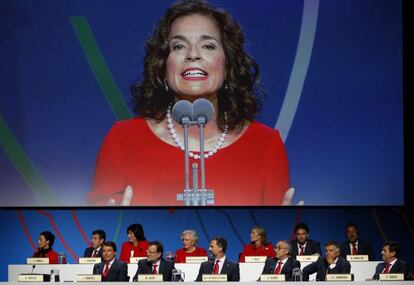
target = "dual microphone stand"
x: 188, y: 114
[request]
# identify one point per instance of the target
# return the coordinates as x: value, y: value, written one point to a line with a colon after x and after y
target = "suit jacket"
x: 89, y: 251
x: 229, y: 267
x: 321, y: 267
x: 312, y: 247
x: 364, y: 247
x: 145, y: 267
x: 398, y: 267
x: 271, y: 263
x: 117, y: 272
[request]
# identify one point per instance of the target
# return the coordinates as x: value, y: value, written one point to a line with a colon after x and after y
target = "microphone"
x: 202, y: 110
x: 182, y: 112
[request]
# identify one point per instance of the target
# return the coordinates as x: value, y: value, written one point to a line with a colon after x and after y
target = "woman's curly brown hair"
x: 240, y: 97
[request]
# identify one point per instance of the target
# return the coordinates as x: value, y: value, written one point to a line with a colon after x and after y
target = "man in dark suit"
x: 282, y: 263
x: 110, y: 268
x: 220, y: 264
x: 98, y: 238
x: 355, y: 246
x: 331, y: 264
x: 155, y: 264
x: 302, y: 245
x: 392, y: 264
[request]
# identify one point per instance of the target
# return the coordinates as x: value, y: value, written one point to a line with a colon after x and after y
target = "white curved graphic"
x: 300, y: 68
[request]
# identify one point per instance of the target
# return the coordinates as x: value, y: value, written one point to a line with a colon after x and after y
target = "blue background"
x: 345, y: 145
x: 376, y: 225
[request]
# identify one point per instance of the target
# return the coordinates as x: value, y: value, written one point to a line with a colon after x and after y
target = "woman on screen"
x: 196, y: 51
x: 189, y: 238
x: 44, y: 249
x: 137, y: 244
x: 258, y: 246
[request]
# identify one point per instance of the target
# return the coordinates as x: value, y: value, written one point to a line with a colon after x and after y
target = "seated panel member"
x: 137, y: 244
x: 110, y: 268
x: 354, y: 245
x: 220, y: 264
x: 282, y: 263
x: 392, y: 264
x: 98, y: 238
x: 155, y: 264
x: 332, y: 263
x: 189, y: 238
x: 44, y: 249
x: 258, y: 246
x: 302, y: 245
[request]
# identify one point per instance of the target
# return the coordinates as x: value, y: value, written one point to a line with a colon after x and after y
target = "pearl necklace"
x: 174, y: 136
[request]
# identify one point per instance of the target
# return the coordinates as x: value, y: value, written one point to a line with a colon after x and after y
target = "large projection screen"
x: 332, y: 72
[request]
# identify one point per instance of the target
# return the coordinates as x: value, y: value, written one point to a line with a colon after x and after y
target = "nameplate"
x: 135, y: 260
x: 338, y: 277
x: 88, y: 278
x: 255, y: 259
x: 30, y: 278
x: 196, y: 259
x: 38, y: 260
x: 150, y: 278
x: 89, y: 260
x: 391, y: 277
x: 361, y: 257
x: 307, y: 258
x: 214, y: 277
x: 272, y: 277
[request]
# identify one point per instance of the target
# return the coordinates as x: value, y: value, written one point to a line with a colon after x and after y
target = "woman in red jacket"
x: 45, y: 243
x: 137, y: 244
x: 189, y: 238
x: 258, y: 246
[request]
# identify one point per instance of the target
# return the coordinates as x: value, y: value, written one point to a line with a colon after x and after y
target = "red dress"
x: 181, y: 254
x: 252, y: 250
x: 139, y: 251
x: 251, y: 171
x: 53, y: 255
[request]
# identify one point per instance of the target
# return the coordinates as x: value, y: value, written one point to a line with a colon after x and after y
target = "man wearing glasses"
x: 155, y: 264
x: 282, y: 263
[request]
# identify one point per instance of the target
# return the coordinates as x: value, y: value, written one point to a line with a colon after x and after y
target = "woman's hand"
x: 126, y: 198
x: 287, y: 199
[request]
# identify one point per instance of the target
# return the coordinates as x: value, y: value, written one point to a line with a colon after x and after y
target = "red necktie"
x: 302, y: 252
x: 106, y: 270
x: 279, y: 267
x: 387, y: 268
x: 154, y: 269
x: 95, y: 253
x: 216, y: 267
x: 354, y: 249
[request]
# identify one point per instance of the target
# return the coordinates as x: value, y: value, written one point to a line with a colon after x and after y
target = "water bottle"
x: 296, y: 274
x: 62, y: 258
x: 169, y: 256
x: 177, y: 275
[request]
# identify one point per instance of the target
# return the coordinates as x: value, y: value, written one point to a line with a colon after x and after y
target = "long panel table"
x: 249, y: 272
x: 245, y: 283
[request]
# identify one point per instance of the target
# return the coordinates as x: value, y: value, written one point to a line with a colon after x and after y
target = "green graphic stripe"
x: 118, y: 227
x: 26, y: 168
x: 100, y: 69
